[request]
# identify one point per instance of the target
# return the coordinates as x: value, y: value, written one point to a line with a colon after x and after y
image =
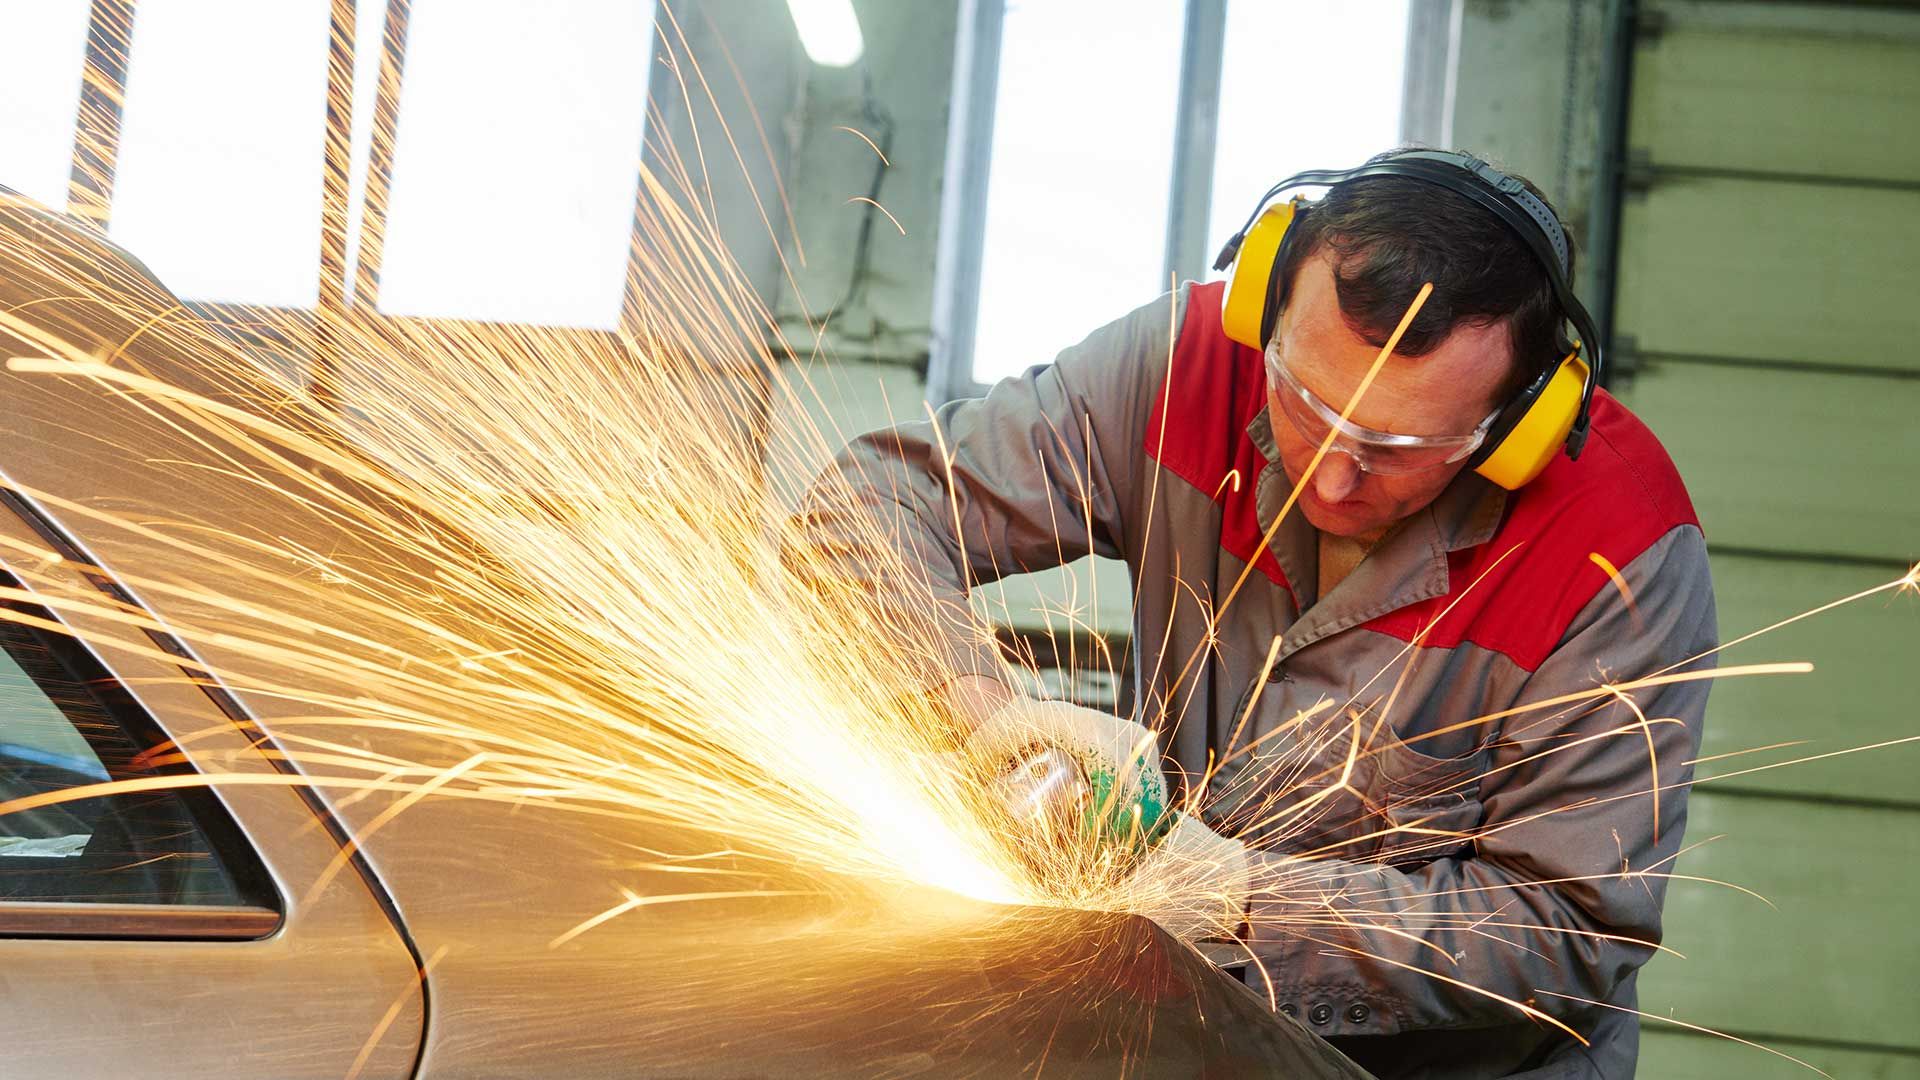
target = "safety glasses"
x: 1378, y: 452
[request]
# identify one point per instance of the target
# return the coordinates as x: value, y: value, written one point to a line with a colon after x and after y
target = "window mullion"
x: 1195, y: 139
x: 1430, y: 61
x: 963, y: 237
x: 96, y: 129
x: 335, y: 190
x: 386, y: 120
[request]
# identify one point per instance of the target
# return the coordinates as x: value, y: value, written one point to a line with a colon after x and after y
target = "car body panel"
x: 301, y: 1002
x: 832, y: 981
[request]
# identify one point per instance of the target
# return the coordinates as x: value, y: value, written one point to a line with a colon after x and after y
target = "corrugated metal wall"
x: 1768, y: 268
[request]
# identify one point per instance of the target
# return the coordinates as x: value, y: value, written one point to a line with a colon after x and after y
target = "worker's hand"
x: 973, y: 699
x: 1200, y: 880
x: 1121, y: 779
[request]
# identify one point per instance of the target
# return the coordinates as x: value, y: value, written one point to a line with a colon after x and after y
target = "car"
x: 181, y: 928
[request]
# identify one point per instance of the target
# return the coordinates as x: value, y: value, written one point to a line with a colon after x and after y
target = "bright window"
x: 221, y: 143
x: 1082, y: 162
x: 511, y: 175
x: 1331, y: 106
x: 42, y: 47
x: 1081, y: 170
x: 516, y: 160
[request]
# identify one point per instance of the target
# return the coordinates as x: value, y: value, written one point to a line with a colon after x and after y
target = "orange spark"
x: 881, y: 154
x: 882, y: 209
x: 1620, y: 583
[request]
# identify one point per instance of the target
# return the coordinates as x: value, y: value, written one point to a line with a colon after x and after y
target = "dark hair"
x: 1391, y: 234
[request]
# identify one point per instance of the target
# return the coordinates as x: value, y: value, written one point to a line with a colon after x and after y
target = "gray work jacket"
x: 1425, y: 863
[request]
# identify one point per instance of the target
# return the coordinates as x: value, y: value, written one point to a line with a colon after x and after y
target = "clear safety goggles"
x: 1379, y: 452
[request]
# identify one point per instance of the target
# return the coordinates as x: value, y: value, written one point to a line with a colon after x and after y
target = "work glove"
x: 1200, y: 879
x: 1118, y: 790
x: 1052, y: 756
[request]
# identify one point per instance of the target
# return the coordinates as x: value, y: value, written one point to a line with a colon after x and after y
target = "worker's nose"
x: 1337, y: 477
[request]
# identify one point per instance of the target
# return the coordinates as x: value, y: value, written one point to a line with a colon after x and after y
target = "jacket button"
x: 1290, y: 1009
x: 1358, y: 1012
x: 1277, y: 673
x: 1320, y: 1014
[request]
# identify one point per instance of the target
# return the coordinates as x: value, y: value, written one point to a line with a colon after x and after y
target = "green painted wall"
x: 1775, y: 321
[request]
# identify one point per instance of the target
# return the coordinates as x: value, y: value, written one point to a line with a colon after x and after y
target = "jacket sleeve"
x: 1560, y: 892
x: 1036, y: 474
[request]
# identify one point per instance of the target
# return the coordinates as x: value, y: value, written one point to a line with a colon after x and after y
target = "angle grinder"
x: 1061, y: 801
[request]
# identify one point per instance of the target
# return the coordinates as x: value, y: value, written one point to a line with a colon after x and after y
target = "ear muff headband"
x: 1518, y: 446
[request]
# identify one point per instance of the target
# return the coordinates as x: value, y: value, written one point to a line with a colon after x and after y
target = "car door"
x: 168, y: 932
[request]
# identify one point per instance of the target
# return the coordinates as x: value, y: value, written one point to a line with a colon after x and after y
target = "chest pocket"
x: 1339, y: 781
x: 1433, y: 804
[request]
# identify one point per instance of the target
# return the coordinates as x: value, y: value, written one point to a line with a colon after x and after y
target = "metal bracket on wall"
x: 1603, y: 222
x: 1624, y: 361
x: 1638, y: 172
x: 1650, y: 27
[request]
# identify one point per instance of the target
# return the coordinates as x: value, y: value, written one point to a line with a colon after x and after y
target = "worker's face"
x: 1449, y: 391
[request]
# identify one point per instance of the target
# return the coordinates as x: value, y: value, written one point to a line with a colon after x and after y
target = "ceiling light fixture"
x: 829, y: 31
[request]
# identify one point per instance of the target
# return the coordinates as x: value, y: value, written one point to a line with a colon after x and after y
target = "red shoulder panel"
x: 1537, y: 572
x: 1198, y: 432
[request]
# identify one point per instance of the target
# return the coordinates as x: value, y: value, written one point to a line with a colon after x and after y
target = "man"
x: 1358, y: 670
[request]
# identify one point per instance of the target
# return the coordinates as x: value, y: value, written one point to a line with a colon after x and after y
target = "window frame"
x: 111, y: 29
x: 260, y: 909
x: 1425, y: 119
x: 111, y: 36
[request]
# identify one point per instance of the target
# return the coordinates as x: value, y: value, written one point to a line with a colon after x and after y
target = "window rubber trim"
x: 162, y: 922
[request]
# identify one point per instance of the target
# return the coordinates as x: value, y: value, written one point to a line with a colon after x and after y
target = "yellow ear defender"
x: 1244, y: 313
x: 1537, y: 423
x: 1552, y: 412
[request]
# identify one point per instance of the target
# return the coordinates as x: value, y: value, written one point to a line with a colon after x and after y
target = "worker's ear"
x: 1251, y: 308
x: 1534, y: 426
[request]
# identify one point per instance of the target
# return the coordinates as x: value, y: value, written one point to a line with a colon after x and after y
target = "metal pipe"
x: 1647, y: 172
x: 103, y: 92
x: 1603, y: 229
x: 961, y: 244
x: 1195, y: 139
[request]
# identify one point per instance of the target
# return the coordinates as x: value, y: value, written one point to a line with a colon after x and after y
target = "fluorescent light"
x: 829, y: 30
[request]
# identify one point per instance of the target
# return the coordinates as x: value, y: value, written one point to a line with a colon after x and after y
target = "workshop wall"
x: 720, y: 102
x: 1527, y: 89
x: 1767, y: 237
x: 1767, y: 231
x: 856, y: 296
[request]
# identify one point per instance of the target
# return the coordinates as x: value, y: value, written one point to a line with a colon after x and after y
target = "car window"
x: 65, y: 723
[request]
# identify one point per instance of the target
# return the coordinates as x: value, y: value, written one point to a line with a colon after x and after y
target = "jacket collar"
x: 1407, y: 566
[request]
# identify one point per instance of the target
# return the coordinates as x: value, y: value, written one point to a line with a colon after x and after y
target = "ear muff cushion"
x: 1533, y: 440
x: 1242, y: 315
